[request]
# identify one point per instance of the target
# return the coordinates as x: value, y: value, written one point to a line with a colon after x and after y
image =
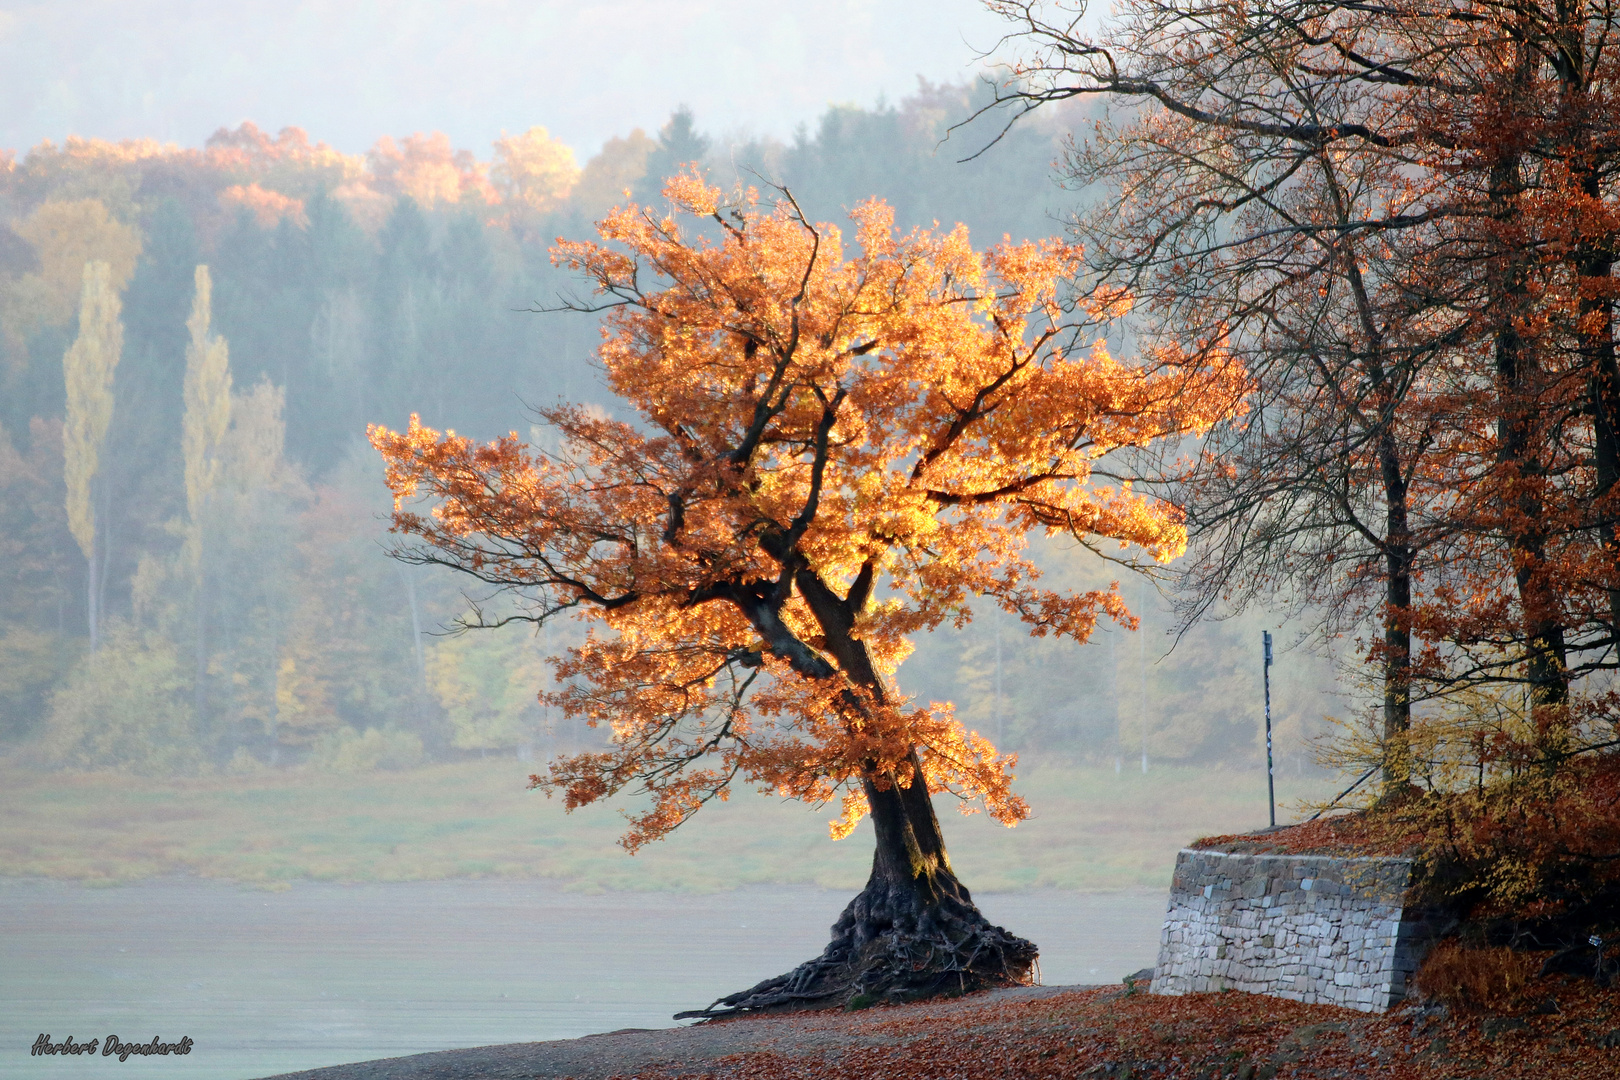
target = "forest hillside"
x: 200, y: 501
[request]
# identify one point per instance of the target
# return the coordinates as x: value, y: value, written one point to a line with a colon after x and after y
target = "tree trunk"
x: 1397, y: 545
x: 1598, y: 343
x: 1517, y: 378
x: 912, y: 932
x: 92, y: 616
x: 1397, y: 621
x: 200, y: 675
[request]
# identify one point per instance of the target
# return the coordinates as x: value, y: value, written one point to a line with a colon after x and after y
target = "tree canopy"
x: 837, y: 450
x: 835, y: 446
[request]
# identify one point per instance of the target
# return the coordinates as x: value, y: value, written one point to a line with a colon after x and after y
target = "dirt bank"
x: 1561, y: 1028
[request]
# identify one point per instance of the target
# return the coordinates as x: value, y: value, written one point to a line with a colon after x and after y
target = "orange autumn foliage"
x: 840, y: 443
x: 427, y: 169
x: 267, y: 207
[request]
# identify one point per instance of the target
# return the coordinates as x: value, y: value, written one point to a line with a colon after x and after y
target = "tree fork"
x: 913, y: 931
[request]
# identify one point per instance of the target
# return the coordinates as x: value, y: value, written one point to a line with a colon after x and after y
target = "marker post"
x: 1271, y: 780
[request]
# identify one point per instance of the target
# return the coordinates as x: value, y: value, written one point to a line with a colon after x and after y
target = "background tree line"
x: 226, y: 556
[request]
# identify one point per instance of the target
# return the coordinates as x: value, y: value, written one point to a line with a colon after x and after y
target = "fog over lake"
x: 268, y: 982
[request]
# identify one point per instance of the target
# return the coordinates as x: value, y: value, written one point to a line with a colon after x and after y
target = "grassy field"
x: 1091, y: 830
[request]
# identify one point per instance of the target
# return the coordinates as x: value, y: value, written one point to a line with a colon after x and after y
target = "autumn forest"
x: 232, y: 520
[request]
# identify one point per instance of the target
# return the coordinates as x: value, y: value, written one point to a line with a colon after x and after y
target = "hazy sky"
x: 350, y: 70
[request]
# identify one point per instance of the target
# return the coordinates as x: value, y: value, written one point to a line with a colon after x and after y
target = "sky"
x: 349, y: 71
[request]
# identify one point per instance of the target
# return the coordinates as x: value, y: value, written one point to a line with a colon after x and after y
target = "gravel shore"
x: 596, y: 1057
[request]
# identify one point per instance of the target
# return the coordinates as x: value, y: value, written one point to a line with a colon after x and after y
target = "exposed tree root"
x: 894, y: 944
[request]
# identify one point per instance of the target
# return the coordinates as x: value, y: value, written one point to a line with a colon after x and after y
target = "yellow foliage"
x: 288, y: 163
x: 207, y: 392
x: 87, y: 369
x: 66, y: 236
x: 303, y: 705
x: 488, y: 689
x: 609, y: 175
x: 267, y: 207
x: 79, y: 153
x: 126, y: 706
x: 368, y: 207
x: 532, y: 171
x: 426, y: 169
x: 251, y: 457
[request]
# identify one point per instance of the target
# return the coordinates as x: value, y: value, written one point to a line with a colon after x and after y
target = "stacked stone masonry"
x: 1310, y: 928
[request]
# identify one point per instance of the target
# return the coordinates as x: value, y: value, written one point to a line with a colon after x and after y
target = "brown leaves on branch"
x: 1405, y: 220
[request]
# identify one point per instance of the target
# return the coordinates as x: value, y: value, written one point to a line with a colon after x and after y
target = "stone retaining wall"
x: 1310, y: 928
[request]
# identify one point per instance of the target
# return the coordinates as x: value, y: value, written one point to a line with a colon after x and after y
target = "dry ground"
x: 1560, y: 1029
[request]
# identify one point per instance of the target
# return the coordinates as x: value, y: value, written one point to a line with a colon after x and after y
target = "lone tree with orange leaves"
x: 834, y: 450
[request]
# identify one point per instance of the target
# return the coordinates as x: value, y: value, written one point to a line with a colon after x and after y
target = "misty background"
x: 174, y: 70
x: 262, y: 626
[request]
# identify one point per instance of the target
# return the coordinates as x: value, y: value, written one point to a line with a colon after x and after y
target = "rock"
x: 1611, y: 1041
x: 1301, y: 1039
x: 1437, y: 1050
x: 1501, y: 1025
x: 1307, y: 1034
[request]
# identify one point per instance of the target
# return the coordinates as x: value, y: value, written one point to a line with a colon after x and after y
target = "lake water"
x: 323, y: 974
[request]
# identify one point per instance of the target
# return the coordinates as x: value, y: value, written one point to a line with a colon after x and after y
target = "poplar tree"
x: 87, y: 370
x: 207, y: 392
x: 208, y: 408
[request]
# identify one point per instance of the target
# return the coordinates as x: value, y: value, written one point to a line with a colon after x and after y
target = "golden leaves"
x: 533, y: 171
x: 840, y: 445
x: 67, y: 235
x: 88, y: 367
x: 267, y: 207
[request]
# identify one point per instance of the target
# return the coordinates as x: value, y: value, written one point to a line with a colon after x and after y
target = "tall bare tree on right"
x: 1398, y: 217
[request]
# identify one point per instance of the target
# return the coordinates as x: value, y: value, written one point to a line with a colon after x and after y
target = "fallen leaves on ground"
x: 1560, y: 1028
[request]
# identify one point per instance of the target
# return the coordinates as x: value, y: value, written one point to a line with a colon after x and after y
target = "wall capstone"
x: 1311, y: 928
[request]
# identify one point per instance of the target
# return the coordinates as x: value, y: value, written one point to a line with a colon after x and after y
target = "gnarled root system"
x: 893, y: 944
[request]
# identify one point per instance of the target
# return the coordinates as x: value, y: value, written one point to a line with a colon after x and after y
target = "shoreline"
x: 675, y: 1049
x: 1559, y: 1026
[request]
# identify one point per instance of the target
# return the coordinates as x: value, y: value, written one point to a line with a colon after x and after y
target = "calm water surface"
x: 323, y: 974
